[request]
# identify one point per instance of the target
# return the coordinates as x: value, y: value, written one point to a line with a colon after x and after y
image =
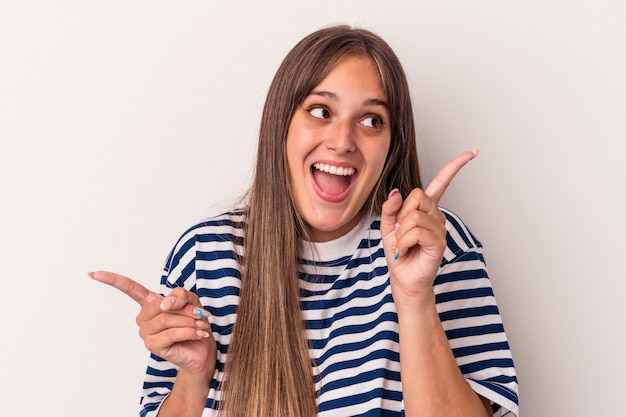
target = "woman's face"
x: 337, y: 144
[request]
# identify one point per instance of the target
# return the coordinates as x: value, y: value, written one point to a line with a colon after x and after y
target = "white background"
x: 124, y: 122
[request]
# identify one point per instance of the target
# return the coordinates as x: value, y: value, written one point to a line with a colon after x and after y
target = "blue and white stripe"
x: 350, y: 316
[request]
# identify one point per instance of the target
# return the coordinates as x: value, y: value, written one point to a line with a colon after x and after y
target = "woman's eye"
x: 319, y: 112
x: 373, y: 121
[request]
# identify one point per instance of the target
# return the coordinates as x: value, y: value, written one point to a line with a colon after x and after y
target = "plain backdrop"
x: 124, y: 122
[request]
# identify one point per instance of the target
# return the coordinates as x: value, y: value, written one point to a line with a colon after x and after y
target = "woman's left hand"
x: 414, y: 234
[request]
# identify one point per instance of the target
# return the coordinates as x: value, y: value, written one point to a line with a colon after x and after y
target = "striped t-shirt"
x: 351, y: 320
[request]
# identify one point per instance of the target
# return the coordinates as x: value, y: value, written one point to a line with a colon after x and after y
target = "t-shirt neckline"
x: 338, y: 248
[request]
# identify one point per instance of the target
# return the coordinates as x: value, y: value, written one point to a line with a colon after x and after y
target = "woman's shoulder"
x: 460, y: 238
x: 223, y: 232
x: 227, y: 223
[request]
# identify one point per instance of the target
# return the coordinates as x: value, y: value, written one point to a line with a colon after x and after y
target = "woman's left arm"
x: 414, y: 237
x: 432, y: 383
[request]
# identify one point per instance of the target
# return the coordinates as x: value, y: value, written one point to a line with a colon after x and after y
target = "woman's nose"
x: 341, y: 137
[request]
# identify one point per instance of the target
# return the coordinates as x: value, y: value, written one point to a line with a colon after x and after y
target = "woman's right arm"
x: 176, y: 329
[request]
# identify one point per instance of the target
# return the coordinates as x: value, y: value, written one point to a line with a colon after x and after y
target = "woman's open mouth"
x: 332, y: 183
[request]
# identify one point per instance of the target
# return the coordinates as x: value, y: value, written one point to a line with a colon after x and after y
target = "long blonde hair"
x: 268, y: 372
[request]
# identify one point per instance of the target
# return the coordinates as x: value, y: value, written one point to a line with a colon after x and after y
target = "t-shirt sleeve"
x: 470, y: 317
x: 179, y: 271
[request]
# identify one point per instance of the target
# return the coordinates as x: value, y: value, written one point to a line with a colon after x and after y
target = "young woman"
x: 340, y: 288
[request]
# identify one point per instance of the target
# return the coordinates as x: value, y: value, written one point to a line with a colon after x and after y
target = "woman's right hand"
x: 175, y: 328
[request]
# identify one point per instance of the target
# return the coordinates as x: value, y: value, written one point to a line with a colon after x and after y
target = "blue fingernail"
x: 396, y: 256
x: 201, y: 314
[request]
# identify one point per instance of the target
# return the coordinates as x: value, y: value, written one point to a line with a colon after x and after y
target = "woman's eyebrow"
x: 376, y: 102
x: 324, y: 93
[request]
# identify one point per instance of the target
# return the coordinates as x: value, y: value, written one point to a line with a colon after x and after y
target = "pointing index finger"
x: 132, y: 288
x: 442, y: 180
